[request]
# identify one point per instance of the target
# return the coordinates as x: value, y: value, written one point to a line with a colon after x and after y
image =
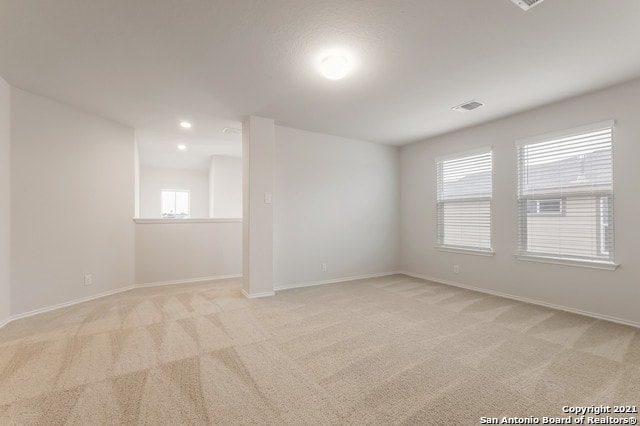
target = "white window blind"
x: 464, y: 201
x: 565, y: 195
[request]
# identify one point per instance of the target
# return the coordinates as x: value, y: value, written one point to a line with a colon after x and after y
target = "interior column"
x: 258, y: 138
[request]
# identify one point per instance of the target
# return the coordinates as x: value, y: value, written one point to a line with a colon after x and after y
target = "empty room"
x: 319, y: 212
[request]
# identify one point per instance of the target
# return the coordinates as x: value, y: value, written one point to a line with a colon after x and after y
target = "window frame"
x: 440, y: 245
x: 175, y: 191
x: 601, y: 229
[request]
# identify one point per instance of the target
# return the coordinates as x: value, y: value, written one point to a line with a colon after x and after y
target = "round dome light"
x: 335, y: 67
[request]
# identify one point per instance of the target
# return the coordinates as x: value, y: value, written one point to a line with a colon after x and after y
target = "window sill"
x: 608, y: 266
x: 158, y: 220
x: 466, y: 251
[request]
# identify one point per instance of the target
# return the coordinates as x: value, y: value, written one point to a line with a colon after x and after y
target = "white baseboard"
x: 525, y: 299
x: 314, y: 283
x: 69, y: 303
x: 335, y: 280
x: 257, y: 295
x: 189, y: 281
x: 186, y: 281
x: 109, y: 293
x: 5, y: 322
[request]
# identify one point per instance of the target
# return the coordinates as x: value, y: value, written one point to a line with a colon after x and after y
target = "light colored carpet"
x: 391, y: 350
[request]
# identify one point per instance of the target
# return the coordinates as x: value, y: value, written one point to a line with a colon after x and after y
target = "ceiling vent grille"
x: 527, y: 4
x: 468, y: 106
x: 231, y: 131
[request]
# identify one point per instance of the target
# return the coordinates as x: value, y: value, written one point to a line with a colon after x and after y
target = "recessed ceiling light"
x: 185, y: 124
x: 335, y: 67
x: 182, y: 147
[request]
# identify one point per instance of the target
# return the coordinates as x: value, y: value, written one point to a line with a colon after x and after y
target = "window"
x: 175, y: 204
x: 464, y: 202
x: 565, y: 195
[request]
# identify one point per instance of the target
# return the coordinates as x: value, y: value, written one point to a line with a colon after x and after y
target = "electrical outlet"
x: 88, y: 279
x: 323, y: 267
x: 456, y: 269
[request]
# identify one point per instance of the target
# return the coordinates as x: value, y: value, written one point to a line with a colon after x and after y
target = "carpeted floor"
x: 391, y: 350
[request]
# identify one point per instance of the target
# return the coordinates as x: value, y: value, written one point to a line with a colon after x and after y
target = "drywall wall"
x: 608, y: 293
x: 335, y: 202
x: 136, y: 180
x: 258, y: 136
x: 155, y: 179
x: 72, y: 197
x: 184, y: 251
x: 5, y: 189
x: 225, y: 187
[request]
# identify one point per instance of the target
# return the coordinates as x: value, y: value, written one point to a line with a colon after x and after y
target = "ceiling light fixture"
x: 182, y: 147
x: 185, y: 124
x: 335, y: 67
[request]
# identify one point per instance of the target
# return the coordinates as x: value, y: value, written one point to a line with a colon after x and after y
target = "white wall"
x: 5, y: 224
x: 182, y: 251
x: 258, y: 144
x: 72, y: 198
x: 335, y: 202
x: 136, y: 180
x: 225, y: 187
x: 607, y: 293
x: 155, y: 179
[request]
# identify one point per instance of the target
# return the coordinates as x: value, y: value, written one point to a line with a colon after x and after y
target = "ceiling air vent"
x: 231, y: 131
x: 527, y: 4
x: 468, y: 106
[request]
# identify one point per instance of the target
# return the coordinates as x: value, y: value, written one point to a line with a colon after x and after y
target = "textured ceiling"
x: 148, y: 63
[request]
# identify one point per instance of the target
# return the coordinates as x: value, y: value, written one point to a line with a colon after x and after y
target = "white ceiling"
x: 159, y: 149
x: 149, y: 63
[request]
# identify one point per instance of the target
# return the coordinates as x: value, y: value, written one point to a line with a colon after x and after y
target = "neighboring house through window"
x: 547, y: 207
x: 464, y: 193
x: 565, y: 195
